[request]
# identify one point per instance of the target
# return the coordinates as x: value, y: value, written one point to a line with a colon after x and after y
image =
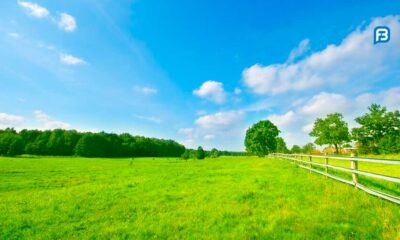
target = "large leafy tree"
x: 261, y: 138
x: 332, y: 130
x: 11, y: 143
x: 56, y: 143
x: 379, y: 130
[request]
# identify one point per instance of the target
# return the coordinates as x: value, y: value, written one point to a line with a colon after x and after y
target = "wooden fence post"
x: 310, y: 162
x: 354, y: 166
x: 326, y: 163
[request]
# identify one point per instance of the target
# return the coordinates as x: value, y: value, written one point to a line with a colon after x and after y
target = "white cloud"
x: 212, y: 91
x: 282, y: 120
x: 262, y: 105
x: 297, y: 123
x: 347, y: 62
x: 9, y: 120
x: 303, y: 47
x: 34, y: 9
x: 71, y: 60
x: 209, y: 137
x: 186, y: 131
x: 220, y: 120
x: 391, y: 98
x: 146, y: 90
x: 14, y: 35
x: 150, y: 118
x: 325, y: 103
x: 46, y: 46
x: 307, y: 128
x: 48, y: 122
x: 67, y: 22
x: 226, y: 126
x: 188, y: 143
x: 201, y: 112
x: 237, y: 91
x: 298, y: 102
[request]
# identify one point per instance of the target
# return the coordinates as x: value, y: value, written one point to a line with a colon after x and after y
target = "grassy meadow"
x: 160, y: 198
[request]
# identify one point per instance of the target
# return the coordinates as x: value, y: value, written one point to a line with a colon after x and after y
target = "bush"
x: 185, y: 155
x: 200, y: 153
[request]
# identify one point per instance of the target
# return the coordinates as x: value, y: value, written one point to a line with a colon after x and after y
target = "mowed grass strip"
x: 224, y: 198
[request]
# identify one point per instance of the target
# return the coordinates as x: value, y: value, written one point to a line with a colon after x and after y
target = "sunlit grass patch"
x: 228, y: 197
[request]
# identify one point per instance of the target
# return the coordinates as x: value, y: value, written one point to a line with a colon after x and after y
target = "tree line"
x: 200, y: 153
x: 378, y: 132
x: 61, y: 142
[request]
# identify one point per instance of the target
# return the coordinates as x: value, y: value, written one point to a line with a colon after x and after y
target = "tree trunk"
x: 336, y: 148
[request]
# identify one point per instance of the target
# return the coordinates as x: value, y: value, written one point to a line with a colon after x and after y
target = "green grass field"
x: 374, y: 183
x: 224, y: 198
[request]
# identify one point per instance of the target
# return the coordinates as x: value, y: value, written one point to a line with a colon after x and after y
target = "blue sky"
x: 197, y: 72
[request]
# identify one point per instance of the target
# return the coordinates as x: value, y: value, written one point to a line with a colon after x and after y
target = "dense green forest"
x: 61, y: 142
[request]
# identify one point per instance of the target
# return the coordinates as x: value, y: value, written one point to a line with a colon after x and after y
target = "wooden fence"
x: 306, y: 161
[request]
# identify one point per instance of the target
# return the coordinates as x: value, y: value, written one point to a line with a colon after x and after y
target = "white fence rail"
x: 306, y: 161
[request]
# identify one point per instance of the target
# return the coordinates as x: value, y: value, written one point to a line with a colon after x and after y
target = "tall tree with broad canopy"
x: 379, y: 130
x: 332, y: 130
x: 261, y: 138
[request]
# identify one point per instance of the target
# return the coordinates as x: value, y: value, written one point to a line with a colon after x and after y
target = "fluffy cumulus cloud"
x: 10, y: 120
x: 67, y: 22
x: 220, y: 120
x: 71, y: 60
x: 297, y: 123
x: 389, y: 98
x: 222, y: 126
x: 48, y: 122
x: 34, y: 9
x: 344, y: 63
x: 325, y: 103
x: 212, y: 91
x: 282, y: 120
